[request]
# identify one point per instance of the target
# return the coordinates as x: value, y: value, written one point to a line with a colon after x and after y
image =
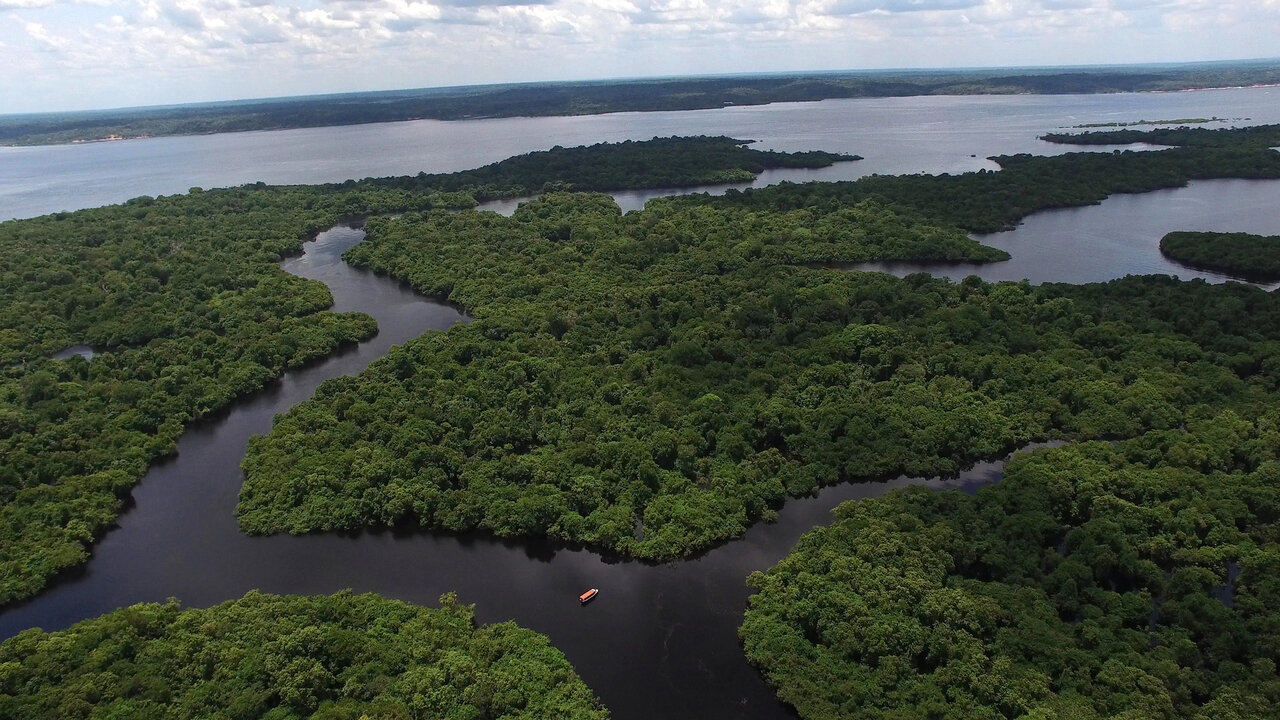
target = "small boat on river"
x: 588, y: 596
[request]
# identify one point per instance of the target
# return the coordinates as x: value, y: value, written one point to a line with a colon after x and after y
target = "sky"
x: 83, y: 54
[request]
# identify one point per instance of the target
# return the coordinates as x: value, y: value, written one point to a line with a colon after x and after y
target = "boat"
x: 588, y: 596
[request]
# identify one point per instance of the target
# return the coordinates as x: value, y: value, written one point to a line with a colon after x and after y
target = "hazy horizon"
x: 647, y: 78
x: 67, y: 55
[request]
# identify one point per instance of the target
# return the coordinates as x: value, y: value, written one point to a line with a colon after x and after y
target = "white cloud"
x: 113, y: 52
x: 43, y: 37
x: 853, y: 7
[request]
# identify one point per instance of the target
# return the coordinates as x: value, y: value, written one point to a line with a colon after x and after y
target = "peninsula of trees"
x: 1256, y: 257
x: 341, y: 657
x: 603, y: 96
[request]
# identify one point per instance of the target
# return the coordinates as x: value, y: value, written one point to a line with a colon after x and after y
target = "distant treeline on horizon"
x: 604, y: 96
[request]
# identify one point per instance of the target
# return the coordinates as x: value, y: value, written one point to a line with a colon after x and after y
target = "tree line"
x: 340, y: 657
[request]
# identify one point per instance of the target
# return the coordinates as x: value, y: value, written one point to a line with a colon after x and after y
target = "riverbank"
x: 596, y: 97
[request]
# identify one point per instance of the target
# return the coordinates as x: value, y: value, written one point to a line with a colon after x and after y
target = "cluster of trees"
x: 651, y: 384
x: 592, y: 97
x: 1135, y: 580
x: 658, y: 163
x: 1256, y: 257
x: 184, y: 296
x: 342, y: 657
x: 1256, y: 135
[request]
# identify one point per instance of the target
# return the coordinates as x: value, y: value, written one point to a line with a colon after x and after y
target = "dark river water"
x: 660, y: 641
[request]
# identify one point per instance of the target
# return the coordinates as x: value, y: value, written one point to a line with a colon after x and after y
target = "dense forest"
x: 604, y: 96
x: 183, y: 297
x: 343, y: 657
x: 1134, y: 580
x: 1256, y: 257
x: 651, y: 384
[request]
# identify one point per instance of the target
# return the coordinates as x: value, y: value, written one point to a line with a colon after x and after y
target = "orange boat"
x: 588, y: 596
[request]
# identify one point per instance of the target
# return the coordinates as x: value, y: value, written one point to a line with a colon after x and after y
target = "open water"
x: 895, y: 135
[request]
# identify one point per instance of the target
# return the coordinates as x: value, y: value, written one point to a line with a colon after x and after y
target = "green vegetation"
x: 343, y: 657
x: 657, y: 163
x: 653, y: 369
x: 1095, y: 581
x: 1254, y: 135
x: 1255, y: 257
x: 185, y: 296
x: 1128, y: 580
x: 592, y: 97
x: 991, y: 201
x: 652, y: 384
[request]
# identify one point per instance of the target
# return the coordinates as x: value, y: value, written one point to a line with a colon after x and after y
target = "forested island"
x: 342, y: 657
x: 676, y: 162
x: 184, y: 296
x: 604, y: 96
x: 1240, y: 254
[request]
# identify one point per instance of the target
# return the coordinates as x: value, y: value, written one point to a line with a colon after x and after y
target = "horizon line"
x: 642, y: 78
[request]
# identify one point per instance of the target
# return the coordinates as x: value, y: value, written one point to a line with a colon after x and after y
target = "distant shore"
x: 600, y: 97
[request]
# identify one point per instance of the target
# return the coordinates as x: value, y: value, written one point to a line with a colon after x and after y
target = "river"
x: 896, y: 135
x: 660, y: 640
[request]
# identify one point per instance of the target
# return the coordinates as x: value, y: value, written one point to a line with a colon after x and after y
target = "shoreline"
x: 722, y: 106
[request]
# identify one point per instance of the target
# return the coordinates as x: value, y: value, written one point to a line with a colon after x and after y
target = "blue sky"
x: 77, y: 54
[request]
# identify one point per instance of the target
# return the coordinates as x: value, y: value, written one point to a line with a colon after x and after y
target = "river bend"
x: 661, y: 641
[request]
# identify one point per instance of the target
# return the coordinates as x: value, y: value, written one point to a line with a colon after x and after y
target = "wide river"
x: 661, y: 640
x: 895, y: 135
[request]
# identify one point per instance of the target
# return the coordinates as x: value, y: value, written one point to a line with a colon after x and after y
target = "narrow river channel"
x: 660, y: 641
